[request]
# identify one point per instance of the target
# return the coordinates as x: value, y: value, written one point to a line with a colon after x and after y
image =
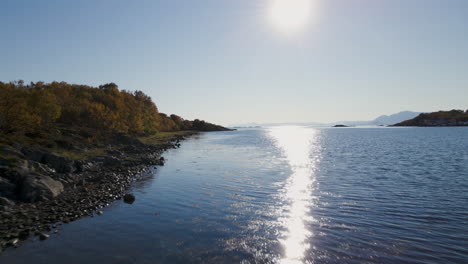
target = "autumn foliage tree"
x: 38, y: 106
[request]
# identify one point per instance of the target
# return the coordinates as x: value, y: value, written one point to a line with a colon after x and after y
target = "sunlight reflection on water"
x: 300, y: 148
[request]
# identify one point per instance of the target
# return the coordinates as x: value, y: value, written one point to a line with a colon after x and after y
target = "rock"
x: 33, y: 154
x: 160, y: 161
x: 7, y: 188
x: 107, y: 161
x: 82, y: 166
x: 5, y: 202
x: 36, y: 187
x: 24, y: 234
x: 60, y: 164
x: 11, y: 151
x: 114, y: 152
x: 100, y: 212
x: 129, y: 198
x: 111, y: 161
x: 43, y: 236
x: 5, y: 162
x: 39, y: 168
x: 13, y: 242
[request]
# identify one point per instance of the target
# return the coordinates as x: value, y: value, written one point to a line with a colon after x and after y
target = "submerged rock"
x: 13, y: 242
x: 129, y: 198
x: 43, y: 236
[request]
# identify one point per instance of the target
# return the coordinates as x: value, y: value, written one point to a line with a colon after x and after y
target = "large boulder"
x: 86, y: 165
x: 39, y: 168
x: 36, y: 187
x: 33, y: 154
x: 60, y: 164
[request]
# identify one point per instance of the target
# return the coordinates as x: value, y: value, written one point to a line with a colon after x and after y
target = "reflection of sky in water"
x: 299, y: 147
x: 284, y: 195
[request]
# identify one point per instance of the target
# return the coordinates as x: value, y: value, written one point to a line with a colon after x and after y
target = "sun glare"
x: 290, y: 15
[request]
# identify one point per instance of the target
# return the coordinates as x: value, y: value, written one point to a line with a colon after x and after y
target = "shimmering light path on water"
x: 284, y: 195
x: 301, y: 149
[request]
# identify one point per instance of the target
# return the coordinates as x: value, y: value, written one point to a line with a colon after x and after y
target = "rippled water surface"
x: 285, y: 195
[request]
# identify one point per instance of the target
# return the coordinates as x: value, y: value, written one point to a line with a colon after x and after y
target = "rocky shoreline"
x: 51, y: 190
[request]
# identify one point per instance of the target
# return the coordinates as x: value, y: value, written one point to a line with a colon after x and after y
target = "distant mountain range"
x: 381, y: 120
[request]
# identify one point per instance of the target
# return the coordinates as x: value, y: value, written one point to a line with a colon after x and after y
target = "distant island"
x: 394, y: 118
x: 382, y: 120
x: 67, y: 149
x: 340, y: 126
x: 436, y: 119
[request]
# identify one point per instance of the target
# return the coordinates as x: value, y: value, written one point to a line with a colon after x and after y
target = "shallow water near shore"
x: 288, y: 194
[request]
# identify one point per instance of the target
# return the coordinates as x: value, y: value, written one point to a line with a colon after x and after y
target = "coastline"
x: 98, y: 182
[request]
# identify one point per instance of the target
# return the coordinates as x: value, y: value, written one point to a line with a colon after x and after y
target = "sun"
x: 290, y: 15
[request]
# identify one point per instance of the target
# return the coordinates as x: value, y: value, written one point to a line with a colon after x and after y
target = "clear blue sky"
x: 225, y: 62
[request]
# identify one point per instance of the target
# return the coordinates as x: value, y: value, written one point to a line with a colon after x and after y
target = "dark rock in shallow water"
x: 159, y: 161
x: 23, y: 234
x: 129, y: 198
x: 36, y: 187
x: 13, y: 242
x: 43, y: 236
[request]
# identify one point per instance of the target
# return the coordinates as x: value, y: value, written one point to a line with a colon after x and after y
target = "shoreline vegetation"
x: 437, y: 119
x: 68, y: 150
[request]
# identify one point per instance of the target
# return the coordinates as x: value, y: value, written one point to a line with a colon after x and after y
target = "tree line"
x: 39, y: 106
x: 441, y: 118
